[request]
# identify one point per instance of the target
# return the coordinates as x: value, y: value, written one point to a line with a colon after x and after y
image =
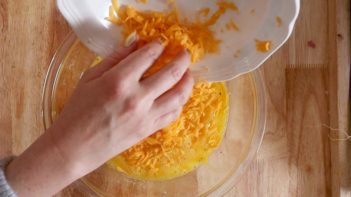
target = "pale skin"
x: 112, y: 109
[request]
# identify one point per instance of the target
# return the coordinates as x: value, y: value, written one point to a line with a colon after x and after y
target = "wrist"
x: 68, y: 150
x: 40, y: 170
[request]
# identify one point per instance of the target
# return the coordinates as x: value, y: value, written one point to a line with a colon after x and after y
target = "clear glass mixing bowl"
x: 241, y: 142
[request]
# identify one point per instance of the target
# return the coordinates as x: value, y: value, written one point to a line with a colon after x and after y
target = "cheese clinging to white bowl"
x: 256, y: 20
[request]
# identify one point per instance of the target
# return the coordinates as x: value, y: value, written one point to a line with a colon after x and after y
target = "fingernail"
x: 160, y: 41
x: 130, y: 40
x: 184, y: 52
x: 187, y: 51
x: 187, y: 54
x: 197, y: 77
x: 190, y: 74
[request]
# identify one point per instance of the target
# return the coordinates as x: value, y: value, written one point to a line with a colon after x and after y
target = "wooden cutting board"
x: 307, y: 92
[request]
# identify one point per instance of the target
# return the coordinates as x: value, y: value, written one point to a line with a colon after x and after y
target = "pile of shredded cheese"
x: 177, y: 34
x: 183, y: 145
x: 188, y: 142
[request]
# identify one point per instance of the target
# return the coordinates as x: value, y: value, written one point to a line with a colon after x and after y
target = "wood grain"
x: 307, y: 92
x: 297, y: 157
x: 30, y: 33
x: 343, y: 62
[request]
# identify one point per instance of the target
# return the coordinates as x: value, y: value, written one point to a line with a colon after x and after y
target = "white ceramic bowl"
x: 256, y: 20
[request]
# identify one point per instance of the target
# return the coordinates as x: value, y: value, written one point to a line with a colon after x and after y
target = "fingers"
x: 166, y: 119
x: 167, y: 77
x: 176, y: 97
x: 139, y: 61
x: 108, y: 62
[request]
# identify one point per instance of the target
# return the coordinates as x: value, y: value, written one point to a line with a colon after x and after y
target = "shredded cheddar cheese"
x: 237, y: 53
x: 188, y: 142
x: 263, y: 45
x: 231, y: 25
x: 142, y: 1
x: 278, y: 21
x: 177, y: 34
x: 204, y: 11
x: 183, y: 145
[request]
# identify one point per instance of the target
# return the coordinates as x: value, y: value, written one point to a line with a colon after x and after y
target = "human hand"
x: 112, y: 109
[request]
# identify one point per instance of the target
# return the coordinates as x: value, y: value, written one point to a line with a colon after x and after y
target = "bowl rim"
x: 219, y: 189
x: 257, y: 139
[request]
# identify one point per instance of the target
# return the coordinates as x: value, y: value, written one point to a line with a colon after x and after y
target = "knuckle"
x: 166, y: 119
x: 115, y: 88
x: 190, y: 82
x: 145, y: 130
x: 150, y: 51
x: 182, y: 97
x: 121, y: 77
x: 175, y: 72
x: 133, y: 104
x: 115, y: 56
x: 178, y: 112
x: 139, y: 134
x: 173, y: 116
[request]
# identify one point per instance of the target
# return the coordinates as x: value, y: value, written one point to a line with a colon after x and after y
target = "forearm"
x: 40, y: 170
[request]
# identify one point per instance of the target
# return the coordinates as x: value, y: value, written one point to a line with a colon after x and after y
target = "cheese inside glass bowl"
x: 241, y: 138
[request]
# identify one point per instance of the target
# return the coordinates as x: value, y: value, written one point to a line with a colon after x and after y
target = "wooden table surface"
x: 307, y: 96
